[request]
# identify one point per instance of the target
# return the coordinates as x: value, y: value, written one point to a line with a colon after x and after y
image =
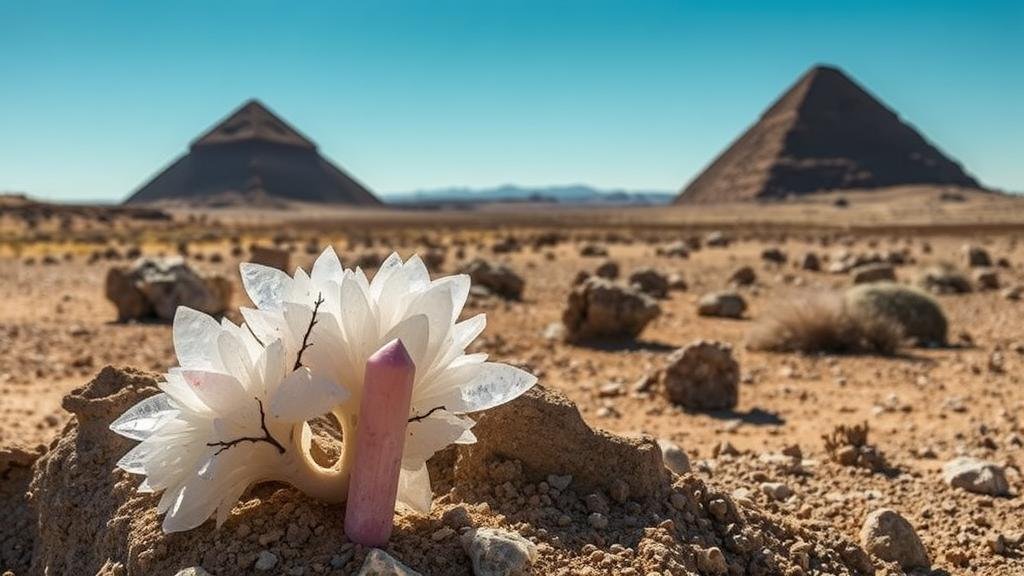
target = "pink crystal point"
x: 380, y: 439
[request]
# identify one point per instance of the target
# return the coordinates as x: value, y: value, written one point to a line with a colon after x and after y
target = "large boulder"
x: 917, y: 313
x: 702, y: 376
x: 153, y: 288
x: 497, y: 278
x: 598, y: 308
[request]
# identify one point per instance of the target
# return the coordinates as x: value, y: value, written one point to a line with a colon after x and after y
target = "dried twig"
x: 258, y: 341
x: 267, y: 437
x: 427, y: 415
x: 309, y: 329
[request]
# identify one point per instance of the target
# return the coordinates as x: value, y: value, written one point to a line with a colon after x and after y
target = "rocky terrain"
x: 843, y: 459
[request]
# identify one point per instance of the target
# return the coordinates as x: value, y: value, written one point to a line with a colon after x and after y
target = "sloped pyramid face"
x: 253, y: 154
x: 824, y: 133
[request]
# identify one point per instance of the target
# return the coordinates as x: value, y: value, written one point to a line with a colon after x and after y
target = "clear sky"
x: 97, y: 97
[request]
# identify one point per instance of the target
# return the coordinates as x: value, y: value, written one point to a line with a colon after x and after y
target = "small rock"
x: 890, y: 537
x: 743, y: 276
x: 702, y: 376
x: 773, y: 255
x: 811, y: 262
x: 380, y: 563
x: 559, y: 483
x: 497, y: 278
x: 650, y: 282
x: 598, y: 308
x: 874, y: 273
x: 976, y: 476
x: 712, y: 561
x: 441, y: 533
x: 609, y: 269
x: 986, y: 279
x: 943, y: 279
x: 717, y: 239
x: 776, y: 490
x: 155, y: 288
x: 192, y: 571
x: 675, y: 458
x: 976, y: 257
x: 722, y: 304
x: 496, y: 552
x: 457, y: 517
x: 678, y: 249
x: 598, y: 520
x: 265, y: 561
x: 268, y: 256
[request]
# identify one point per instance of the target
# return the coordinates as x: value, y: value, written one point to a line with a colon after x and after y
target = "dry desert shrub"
x: 848, y: 446
x: 815, y: 323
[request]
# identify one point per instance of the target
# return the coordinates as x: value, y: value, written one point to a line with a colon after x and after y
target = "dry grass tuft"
x: 821, y: 323
x: 842, y: 435
x: 848, y: 446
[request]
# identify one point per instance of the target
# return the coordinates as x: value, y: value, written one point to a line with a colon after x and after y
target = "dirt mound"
x: 585, y: 498
x: 16, y: 529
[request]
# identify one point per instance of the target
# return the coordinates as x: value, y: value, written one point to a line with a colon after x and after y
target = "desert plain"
x: 766, y: 458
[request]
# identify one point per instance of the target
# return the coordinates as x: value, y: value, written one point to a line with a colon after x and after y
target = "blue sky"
x: 95, y: 97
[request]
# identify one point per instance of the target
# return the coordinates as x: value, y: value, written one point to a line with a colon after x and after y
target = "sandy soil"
x: 924, y: 407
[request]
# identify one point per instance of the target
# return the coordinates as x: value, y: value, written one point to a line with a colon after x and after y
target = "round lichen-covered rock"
x: 920, y: 316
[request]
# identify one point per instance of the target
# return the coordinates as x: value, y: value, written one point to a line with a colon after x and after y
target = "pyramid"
x: 824, y: 133
x: 253, y: 154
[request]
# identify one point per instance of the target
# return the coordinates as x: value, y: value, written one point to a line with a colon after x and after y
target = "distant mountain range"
x: 569, y: 194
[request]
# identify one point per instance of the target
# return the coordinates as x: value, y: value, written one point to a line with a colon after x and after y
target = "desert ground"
x: 923, y: 406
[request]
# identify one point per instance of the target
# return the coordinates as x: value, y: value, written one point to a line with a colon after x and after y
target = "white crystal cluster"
x: 236, y: 410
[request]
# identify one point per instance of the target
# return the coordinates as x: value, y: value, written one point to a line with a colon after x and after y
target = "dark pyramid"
x: 824, y: 133
x: 253, y: 154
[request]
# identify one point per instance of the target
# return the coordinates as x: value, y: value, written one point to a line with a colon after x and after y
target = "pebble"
x: 776, y: 490
x: 712, y: 561
x: 441, y: 533
x: 598, y: 520
x: 495, y: 552
x: 265, y: 561
x: 380, y: 563
x: 674, y: 457
x: 190, y: 571
x: 559, y: 483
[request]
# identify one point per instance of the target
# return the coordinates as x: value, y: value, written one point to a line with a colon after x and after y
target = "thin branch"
x: 309, y: 329
x: 267, y: 437
x: 258, y: 341
x: 427, y: 415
